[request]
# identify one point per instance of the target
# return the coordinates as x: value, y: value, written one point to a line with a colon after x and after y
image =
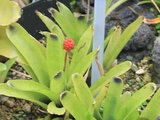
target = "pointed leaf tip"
x: 117, y: 80
x: 63, y: 95
x: 51, y: 10
x: 54, y: 36
x: 58, y: 75
x: 11, y: 27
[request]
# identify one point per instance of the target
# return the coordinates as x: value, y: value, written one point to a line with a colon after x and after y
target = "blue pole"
x: 98, y: 39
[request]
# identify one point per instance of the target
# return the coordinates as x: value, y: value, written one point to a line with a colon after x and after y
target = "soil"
x: 18, y: 109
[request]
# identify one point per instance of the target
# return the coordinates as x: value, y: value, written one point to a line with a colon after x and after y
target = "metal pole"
x: 98, y: 39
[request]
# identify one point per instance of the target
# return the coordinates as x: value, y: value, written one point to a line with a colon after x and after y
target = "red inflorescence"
x: 68, y: 44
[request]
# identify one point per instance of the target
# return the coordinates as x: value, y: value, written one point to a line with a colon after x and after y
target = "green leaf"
x: 135, y: 101
x: 27, y: 95
x: 111, y: 52
x: 85, y: 62
x: 55, y: 54
x: 79, y: 25
x: 29, y: 85
x: 100, y: 97
x: 82, y: 90
x: 80, y: 55
x: 3, y: 67
x: 108, y: 3
x: 109, y: 36
x: 69, y: 28
x: 8, y: 64
x: 10, y: 12
x: 124, y: 97
x: 83, y: 65
x: 53, y: 28
x: 115, y: 71
x: 32, y: 50
x: 75, y: 107
x: 112, y: 99
x: 7, y: 49
x: 152, y: 110
x: 53, y: 109
x: 118, y: 42
x: 114, y: 6
x: 57, y: 86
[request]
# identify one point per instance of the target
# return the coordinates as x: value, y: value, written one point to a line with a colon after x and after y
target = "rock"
x: 10, y: 103
x: 27, y: 108
x: 4, y: 99
x: 156, y: 61
x: 140, y: 71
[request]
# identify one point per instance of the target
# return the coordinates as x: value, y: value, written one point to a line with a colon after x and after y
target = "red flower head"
x: 68, y: 44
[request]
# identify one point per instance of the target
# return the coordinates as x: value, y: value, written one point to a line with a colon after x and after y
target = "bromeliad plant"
x: 117, y: 106
x: 74, y: 27
x: 51, y: 68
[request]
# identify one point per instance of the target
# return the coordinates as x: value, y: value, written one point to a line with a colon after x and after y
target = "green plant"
x: 117, y: 106
x: 75, y: 27
x: 4, y: 68
x: 46, y: 65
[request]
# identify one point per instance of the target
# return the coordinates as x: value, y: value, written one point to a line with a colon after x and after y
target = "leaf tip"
x: 117, y: 80
x: 58, y: 75
x: 51, y: 10
x: 53, y: 36
x: 11, y: 27
x: 63, y: 95
x: 75, y: 75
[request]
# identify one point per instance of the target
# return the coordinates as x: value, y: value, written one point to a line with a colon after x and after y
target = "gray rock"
x: 142, y: 39
x: 156, y: 61
x: 27, y: 108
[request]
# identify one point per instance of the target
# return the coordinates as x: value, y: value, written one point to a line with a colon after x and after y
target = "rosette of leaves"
x: 45, y: 65
x: 117, y: 106
x: 74, y: 27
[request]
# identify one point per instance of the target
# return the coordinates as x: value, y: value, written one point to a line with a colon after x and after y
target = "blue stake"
x: 98, y: 39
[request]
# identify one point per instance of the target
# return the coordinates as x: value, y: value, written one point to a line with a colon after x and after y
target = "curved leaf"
x: 135, y: 101
x: 115, y: 71
x: 27, y: 95
x: 32, y: 50
x: 29, y: 85
x: 53, y: 109
x: 10, y: 12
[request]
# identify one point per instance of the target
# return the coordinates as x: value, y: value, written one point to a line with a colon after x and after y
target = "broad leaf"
x: 27, y: 95
x: 75, y: 107
x: 29, y: 85
x: 115, y: 71
x: 116, y: 44
x: 82, y: 90
x: 10, y: 12
x: 8, y: 64
x: 55, y: 54
x: 112, y: 99
x: 152, y: 110
x: 135, y: 101
x: 32, y: 50
x: 57, y: 86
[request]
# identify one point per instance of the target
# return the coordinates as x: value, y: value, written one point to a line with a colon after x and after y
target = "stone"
x: 140, y: 71
x: 27, y: 108
x: 156, y: 61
